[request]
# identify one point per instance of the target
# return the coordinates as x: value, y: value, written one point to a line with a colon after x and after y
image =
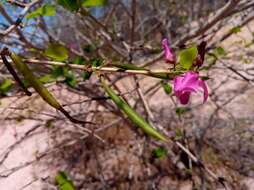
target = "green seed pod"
x: 35, y: 82
x: 40, y: 89
x: 13, y: 72
x: 133, y: 116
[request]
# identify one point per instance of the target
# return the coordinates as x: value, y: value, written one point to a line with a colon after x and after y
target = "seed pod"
x: 13, y: 72
x: 40, y: 89
x: 133, y: 116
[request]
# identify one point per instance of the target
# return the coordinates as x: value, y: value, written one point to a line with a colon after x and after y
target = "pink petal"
x: 164, y: 42
x: 184, y: 86
x: 203, y: 85
x: 184, y: 98
x: 189, y: 82
x: 190, y: 79
x: 178, y: 83
x: 189, y: 89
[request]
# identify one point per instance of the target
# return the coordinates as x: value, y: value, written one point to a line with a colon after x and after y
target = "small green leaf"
x: 180, y: 111
x: 88, y: 48
x: 96, y: 62
x: 65, y: 72
x: 178, y: 134
x: 5, y: 86
x: 57, y: 52
x: 58, y: 71
x: 46, y: 10
x: 34, y: 14
x: 204, y: 78
x: 86, y: 75
x: 71, y: 80
x: 210, y: 60
x: 220, y: 51
x: 235, y: 30
x: 47, y: 79
x: 167, y: 87
x: 49, y: 124
x: 78, y: 61
x: 71, y: 5
x: 160, y: 152
x: 93, y: 3
x: 188, y: 171
x: 63, y: 182
x: 246, y: 61
x: 187, y: 56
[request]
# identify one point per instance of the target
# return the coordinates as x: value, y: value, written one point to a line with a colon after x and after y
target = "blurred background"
x: 41, y: 149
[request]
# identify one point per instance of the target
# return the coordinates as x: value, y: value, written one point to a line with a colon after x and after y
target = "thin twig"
x: 21, y: 16
x: 148, y: 72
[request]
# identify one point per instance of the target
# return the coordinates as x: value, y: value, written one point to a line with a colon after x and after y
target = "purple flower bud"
x: 201, y: 54
x: 169, y: 54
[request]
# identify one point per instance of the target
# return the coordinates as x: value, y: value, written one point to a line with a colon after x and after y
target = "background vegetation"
x: 68, y: 43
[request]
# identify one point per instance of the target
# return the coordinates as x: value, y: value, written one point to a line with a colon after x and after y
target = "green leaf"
x: 220, y: 51
x: 160, y: 152
x: 210, y: 60
x: 88, y: 48
x: 178, y: 134
x: 93, y: 3
x: 49, y: 124
x: 167, y: 87
x: 5, y: 86
x: 46, y: 10
x: 58, y: 71
x: 34, y: 14
x: 132, y: 115
x: 86, y: 75
x: 187, y: 56
x: 180, y: 111
x: 204, y: 78
x: 57, y: 52
x: 47, y: 79
x: 246, y: 61
x: 71, y: 80
x: 63, y: 182
x: 71, y: 5
x: 96, y: 62
x: 66, y: 73
x: 235, y: 30
x: 78, y: 61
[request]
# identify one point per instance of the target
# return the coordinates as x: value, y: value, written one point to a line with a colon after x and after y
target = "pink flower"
x: 169, y: 54
x: 190, y: 82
